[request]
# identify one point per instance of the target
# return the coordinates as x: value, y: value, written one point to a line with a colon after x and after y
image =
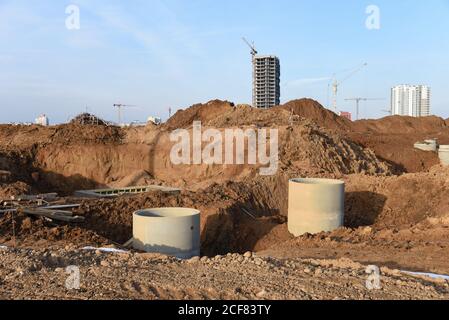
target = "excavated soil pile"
x: 394, y: 202
x: 221, y: 114
x: 392, y: 139
x: 313, y: 110
x: 70, y: 157
x: 88, y: 119
x: 401, y: 125
x: 27, y: 137
x: 25, y: 152
x: 199, y: 112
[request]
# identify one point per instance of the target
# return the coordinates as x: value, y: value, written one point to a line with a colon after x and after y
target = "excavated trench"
x: 236, y: 216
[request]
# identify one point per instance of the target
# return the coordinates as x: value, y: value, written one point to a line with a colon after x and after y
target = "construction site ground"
x: 396, y: 209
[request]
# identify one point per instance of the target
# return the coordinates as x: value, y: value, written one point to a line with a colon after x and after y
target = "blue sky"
x: 159, y: 54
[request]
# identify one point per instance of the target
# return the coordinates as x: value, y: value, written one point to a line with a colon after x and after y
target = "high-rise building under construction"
x: 266, y: 81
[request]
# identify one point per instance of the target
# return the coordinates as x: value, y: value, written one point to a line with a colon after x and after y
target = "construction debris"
x: 58, y: 215
x: 111, y: 193
x: 427, y: 145
x: 38, y: 205
x: 45, y: 196
x: 88, y: 119
x: 5, y: 176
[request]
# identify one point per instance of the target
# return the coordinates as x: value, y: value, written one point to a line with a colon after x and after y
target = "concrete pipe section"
x: 170, y: 231
x: 443, y: 153
x: 427, y: 145
x: 315, y: 205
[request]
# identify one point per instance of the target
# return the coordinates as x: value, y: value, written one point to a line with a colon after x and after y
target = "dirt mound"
x: 222, y: 114
x: 85, y: 134
x: 394, y: 202
x: 322, y: 152
x: 401, y: 125
x: 313, y: 110
x: 245, y: 115
x: 25, y: 138
x: 393, y: 139
x: 198, y: 112
x: 18, y: 229
x: 303, y: 150
x: 71, y: 157
x: 88, y: 119
x: 398, y: 150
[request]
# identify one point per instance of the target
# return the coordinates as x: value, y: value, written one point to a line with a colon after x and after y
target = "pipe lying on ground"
x: 315, y: 205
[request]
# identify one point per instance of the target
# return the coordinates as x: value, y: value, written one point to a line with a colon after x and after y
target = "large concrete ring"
x: 315, y: 205
x: 170, y: 231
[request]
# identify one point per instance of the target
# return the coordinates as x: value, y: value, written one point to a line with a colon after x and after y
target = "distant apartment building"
x: 345, y: 114
x: 42, y: 120
x: 410, y: 100
x: 266, y: 81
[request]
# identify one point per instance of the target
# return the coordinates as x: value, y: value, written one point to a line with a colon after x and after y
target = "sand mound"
x: 397, y: 201
x: 199, y: 112
x: 400, y: 125
x: 314, y: 151
x: 393, y: 139
x: 221, y: 114
x: 73, y: 157
x: 313, y: 110
x: 25, y: 138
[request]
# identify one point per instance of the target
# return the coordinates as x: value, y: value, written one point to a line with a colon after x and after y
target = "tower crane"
x: 119, y: 107
x: 336, y: 84
x: 251, y: 46
x: 357, y: 103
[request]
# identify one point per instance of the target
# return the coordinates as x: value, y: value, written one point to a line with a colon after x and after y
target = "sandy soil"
x: 27, y: 274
